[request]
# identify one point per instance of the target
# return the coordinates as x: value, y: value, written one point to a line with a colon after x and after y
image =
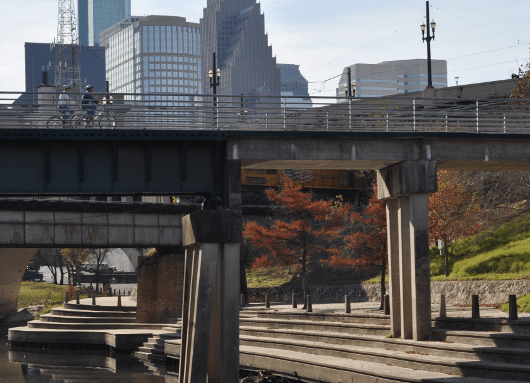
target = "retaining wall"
x: 459, y: 292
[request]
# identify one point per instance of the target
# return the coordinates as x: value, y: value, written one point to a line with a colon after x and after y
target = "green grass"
x: 38, y: 293
x: 523, y: 304
x: 271, y: 277
x: 505, y: 254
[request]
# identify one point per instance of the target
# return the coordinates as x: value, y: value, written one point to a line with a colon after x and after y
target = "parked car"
x: 32, y: 275
x: 104, y: 268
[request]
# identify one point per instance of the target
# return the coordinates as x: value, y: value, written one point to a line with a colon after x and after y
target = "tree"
x: 73, y: 258
x: 303, y: 229
x: 52, y: 259
x: 522, y: 90
x: 453, y: 212
x: 98, y: 256
x: 366, y: 244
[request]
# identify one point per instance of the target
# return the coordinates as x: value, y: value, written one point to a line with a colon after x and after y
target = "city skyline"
x: 325, y: 38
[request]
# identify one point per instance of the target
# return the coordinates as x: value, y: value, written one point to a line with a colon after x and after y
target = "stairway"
x: 342, y: 347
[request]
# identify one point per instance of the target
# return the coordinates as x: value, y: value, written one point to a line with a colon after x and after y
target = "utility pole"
x: 67, y: 69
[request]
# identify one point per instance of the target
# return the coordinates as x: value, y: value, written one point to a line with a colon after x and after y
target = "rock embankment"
x: 456, y: 292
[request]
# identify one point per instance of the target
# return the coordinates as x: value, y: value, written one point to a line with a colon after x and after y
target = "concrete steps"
x: 521, y: 326
x: 87, y: 319
x: 73, y: 306
x: 92, y: 313
x: 482, y: 338
x: 154, y: 348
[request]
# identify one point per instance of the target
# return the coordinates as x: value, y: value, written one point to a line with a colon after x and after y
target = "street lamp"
x: 428, y: 39
x: 348, y: 92
x: 215, y: 81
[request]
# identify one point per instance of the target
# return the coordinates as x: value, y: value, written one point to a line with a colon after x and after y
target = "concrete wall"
x: 13, y: 264
x: 458, y: 292
x: 160, y: 287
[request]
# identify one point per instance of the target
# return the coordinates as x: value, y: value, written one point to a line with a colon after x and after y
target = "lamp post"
x: 428, y: 39
x: 349, y: 89
x: 215, y: 81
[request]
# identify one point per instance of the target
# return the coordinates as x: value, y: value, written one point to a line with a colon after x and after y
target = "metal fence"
x: 184, y: 111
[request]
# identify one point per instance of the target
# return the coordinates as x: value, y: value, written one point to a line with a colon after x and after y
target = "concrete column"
x: 14, y: 263
x: 392, y: 224
x: 404, y: 268
x: 421, y: 266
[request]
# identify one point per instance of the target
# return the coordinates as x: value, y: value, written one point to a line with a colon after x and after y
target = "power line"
x: 484, y: 66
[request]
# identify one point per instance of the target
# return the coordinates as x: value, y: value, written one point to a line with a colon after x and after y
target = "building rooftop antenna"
x: 67, y: 48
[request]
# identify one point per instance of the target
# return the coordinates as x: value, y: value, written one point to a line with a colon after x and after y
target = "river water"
x: 25, y: 365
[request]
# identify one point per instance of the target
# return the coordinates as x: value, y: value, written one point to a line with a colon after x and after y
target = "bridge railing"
x: 275, y: 113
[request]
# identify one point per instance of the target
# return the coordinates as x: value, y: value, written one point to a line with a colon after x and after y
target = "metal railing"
x: 183, y: 111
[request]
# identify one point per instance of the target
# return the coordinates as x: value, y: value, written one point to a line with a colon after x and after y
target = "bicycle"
x: 102, y: 120
x: 65, y: 120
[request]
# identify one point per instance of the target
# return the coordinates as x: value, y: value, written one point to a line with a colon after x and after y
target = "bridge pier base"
x: 406, y: 187
x: 210, y: 317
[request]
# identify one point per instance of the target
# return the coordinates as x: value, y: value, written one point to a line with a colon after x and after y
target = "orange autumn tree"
x: 303, y: 229
x: 522, y: 90
x: 366, y: 244
x: 453, y: 213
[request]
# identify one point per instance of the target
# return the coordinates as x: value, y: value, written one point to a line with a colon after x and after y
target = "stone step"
x: 93, y: 326
x: 313, y: 325
x: 97, y: 307
x: 482, y: 338
x: 310, y: 367
x: 521, y: 326
x: 168, y: 328
x: 166, y: 336
x: 380, y: 357
x: 366, y: 318
x: 152, y: 351
x: 90, y: 313
x: 433, y: 348
x: 72, y: 319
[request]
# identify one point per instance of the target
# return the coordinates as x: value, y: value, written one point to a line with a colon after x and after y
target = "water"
x: 25, y: 365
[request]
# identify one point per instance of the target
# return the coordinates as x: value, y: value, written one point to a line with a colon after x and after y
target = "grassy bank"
x: 38, y: 293
x: 523, y: 304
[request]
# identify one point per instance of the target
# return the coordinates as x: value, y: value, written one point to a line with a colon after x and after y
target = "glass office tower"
x: 103, y: 14
x: 159, y: 55
x: 294, y: 84
x: 82, y: 22
x: 235, y: 31
x: 392, y: 77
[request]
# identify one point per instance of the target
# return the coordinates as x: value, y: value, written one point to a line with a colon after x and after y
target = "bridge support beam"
x: 210, y: 318
x: 406, y: 187
x: 14, y: 263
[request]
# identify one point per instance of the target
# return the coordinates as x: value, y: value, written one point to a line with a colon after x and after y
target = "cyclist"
x: 65, y: 102
x: 88, y: 103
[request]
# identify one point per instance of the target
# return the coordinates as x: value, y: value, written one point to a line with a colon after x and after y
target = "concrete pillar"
x: 404, y: 268
x: 347, y: 308
x: 443, y: 309
x: 475, y: 308
x: 309, y: 303
x: 14, y: 263
x: 295, y: 303
x: 513, y: 307
x: 392, y: 224
x: 421, y: 266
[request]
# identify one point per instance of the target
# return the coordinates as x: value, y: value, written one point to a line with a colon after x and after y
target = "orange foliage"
x: 261, y: 262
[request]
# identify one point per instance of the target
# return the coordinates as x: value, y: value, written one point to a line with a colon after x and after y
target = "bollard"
x: 475, y: 310
x: 348, y: 304
x: 77, y: 297
x: 119, y: 300
x: 66, y: 297
x: 295, y: 303
x: 309, y: 304
x: 114, y: 291
x: 242, y: 300
x: 443, y: 311
x: 513, y: 307
x: 93, y: 299
x: 119, y: 292
x: 386, y: 305
x: 267, y: 301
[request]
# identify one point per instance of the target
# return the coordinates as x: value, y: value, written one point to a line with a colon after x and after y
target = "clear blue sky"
x: 325, y: 36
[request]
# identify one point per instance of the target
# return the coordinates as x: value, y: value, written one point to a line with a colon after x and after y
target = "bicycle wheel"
x: 55, y: 122
x: 107, y: 121
x: 83, y: 123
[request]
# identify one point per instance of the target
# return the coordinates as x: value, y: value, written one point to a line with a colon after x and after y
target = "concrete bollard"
x: 309, y: 303
x: 267, y: 301
x: 295, y: 303
x: 93, y: 299
x: 386, y: 305
x: 347, y: 303
x: 443, y: 310
x: 77, y: 300
x: 475, y: 309
x: 66, y: 297
x: 119, y: 300
x: 119, y: 292
x: 114, y: 291
x: 513, y: 307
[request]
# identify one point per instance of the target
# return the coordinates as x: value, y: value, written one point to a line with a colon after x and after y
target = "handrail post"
x: 504, y: 123
x: 387, y: 122
x: 349, y: 101
x: 414, y: 112
x: 446, y: 122
x: 327, y: 120
x: 477, y: 116
x: 285, y: 114
x: 266, y: 120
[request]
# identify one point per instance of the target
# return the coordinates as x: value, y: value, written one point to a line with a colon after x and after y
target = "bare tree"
x: 98, y: 256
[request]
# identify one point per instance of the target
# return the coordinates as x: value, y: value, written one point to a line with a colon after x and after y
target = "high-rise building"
x: 159, y: 55
x: 294, y: 84
x: 235, y: 31
x: 82, y: 21
x: 392, y: 77
x: 97, y: 15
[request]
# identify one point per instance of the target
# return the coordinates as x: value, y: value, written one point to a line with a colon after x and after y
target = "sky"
x: 483, y: 40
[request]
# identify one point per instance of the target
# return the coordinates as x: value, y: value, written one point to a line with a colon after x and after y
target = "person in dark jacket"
x: 88, y: 103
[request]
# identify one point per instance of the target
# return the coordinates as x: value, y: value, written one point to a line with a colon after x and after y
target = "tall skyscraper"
x: 97, y: 15
x: 392, y: 77
x: 159, y: 55
x: 294, y: 84
x: 235, y: 31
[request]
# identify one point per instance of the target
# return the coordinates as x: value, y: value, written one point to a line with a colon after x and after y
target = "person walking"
x: 64, y: 103
x: 88, y: 103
